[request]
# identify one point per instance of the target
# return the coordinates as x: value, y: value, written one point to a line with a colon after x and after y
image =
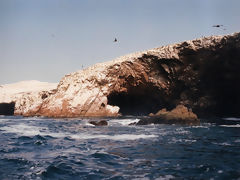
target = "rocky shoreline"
x: 202, y: 75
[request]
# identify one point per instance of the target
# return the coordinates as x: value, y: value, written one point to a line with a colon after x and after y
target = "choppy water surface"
x: 41, y: 148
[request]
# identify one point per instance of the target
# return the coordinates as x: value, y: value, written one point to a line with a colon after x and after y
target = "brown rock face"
x: 202, y: 74
x: 180, y: 112
x: 178, y: 115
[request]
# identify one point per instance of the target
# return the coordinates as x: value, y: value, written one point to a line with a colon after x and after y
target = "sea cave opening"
x: 137, y: 101
x: 7, y: 108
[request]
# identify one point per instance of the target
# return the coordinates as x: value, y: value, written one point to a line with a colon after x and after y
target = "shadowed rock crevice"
x: 137, y: 100
x: 7, y: 108
x: 220, y: 81
x: 210, y: 79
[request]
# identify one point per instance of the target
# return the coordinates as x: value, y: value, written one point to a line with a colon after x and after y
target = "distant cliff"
x: 18, y: 98
x: 201, y: 74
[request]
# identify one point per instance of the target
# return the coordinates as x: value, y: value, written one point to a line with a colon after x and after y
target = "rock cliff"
x: 201, y: 74
x: 19, y: 98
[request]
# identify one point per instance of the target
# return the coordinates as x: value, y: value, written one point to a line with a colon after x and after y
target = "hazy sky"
x: 46, y: 39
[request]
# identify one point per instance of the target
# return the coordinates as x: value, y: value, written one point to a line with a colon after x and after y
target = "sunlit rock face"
x: 201, y: 74
x: 23, y: 97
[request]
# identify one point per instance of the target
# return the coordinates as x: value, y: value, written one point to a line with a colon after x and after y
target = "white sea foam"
x: 3, y: 120
x: 222, y: 144
x: 232, y: 126
x: 22, y: 129
x: 165, y: 177
x: 175, y: 140
x: 232, y: 119
x: 28, y: 130
x: 237, y: 141
x: 88, y: 124
x: 120, y: 137
x: 225, y: 144
x: 141, y: 177
x: 181, y: 131
x: 31, y: 118
x: 123, y: 122
x: 204, y: 126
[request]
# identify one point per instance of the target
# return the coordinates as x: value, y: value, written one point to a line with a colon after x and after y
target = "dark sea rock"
x: 99, y: 123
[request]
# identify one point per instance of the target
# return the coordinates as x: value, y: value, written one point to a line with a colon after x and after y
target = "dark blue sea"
x: 42, y: 148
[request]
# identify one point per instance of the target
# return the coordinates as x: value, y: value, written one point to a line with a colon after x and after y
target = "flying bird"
x: 217, y: 25
x: 220, y: 26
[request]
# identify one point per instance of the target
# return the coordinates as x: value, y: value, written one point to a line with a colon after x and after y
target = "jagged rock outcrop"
x: 178, y: 115
x: 202, y: 74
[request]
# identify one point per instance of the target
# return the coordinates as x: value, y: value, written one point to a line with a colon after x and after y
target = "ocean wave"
x: 188, y: 141
x: 237, y: 141
x: 222, y: 144
x: 2, y: 120
x: 123, y: 122
x: 181, y: 131
x: 231, y: 126
x: 203, y: 125
x: 22, y: 129
x: 88, y: 124
x: 28, y: 130
x: 68, y: 149
x: 232, y: 119
x: 165, y: 177
x: 120, y: 137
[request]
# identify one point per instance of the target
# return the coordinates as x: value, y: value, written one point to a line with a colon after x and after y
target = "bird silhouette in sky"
x: 217, y: 25
x: 115, y: 40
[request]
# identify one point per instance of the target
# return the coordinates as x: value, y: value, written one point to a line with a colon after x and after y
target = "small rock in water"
x: 178, y: 115
x: 99, y: 123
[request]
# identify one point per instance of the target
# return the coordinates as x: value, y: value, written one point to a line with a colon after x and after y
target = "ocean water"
x: 42, y: 148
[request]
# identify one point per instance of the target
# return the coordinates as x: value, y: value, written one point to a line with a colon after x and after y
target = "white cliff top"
x: 7, y: 91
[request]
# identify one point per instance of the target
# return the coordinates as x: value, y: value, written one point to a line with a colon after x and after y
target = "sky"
x: 47, y: 39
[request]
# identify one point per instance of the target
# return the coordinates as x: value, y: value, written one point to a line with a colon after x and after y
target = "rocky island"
x: 202, y: 75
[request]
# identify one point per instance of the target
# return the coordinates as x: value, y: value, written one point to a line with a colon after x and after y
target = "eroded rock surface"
x: 202, y: 74
x: 178, y: 115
